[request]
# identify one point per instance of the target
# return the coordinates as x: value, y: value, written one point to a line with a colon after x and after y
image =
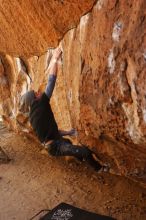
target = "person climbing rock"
x: 44, y: 124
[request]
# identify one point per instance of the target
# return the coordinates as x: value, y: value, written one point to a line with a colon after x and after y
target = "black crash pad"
x: 68, y: 212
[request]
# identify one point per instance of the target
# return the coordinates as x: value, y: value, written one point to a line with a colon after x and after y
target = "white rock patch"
x: 83, y: 24
x: 18, y: 64
x: 111, y: 61
x: 118, y: 26
x: 99, y: 5
x: 144, y: 115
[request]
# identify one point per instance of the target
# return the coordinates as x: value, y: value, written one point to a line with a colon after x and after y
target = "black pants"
x: 64, y: 147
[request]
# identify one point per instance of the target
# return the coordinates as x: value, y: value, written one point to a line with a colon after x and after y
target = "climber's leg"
x: 64, y: 147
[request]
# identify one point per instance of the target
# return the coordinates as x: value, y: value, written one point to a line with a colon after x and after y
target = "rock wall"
x: 100, y: 88
x: 29, y: 27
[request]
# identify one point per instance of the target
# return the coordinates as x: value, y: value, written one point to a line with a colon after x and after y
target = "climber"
x: 43, y: 122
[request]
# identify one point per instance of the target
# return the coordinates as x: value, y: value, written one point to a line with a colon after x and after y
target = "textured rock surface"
x: 101, y: 86
x: 29, y: 27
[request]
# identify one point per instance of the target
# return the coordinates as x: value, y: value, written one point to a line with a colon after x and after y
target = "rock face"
x: 29, y: 27
x: 101, y: 85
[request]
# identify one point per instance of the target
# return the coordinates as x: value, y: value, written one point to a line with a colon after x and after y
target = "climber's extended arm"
x: 52, y: 71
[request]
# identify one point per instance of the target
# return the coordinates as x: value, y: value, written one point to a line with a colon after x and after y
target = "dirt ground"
x: 33, y: 181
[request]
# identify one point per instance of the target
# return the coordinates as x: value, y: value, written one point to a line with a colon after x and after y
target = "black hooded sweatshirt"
x: 42, y: 120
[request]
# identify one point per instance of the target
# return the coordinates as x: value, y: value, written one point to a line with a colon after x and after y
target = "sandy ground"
x: 32, y: 181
